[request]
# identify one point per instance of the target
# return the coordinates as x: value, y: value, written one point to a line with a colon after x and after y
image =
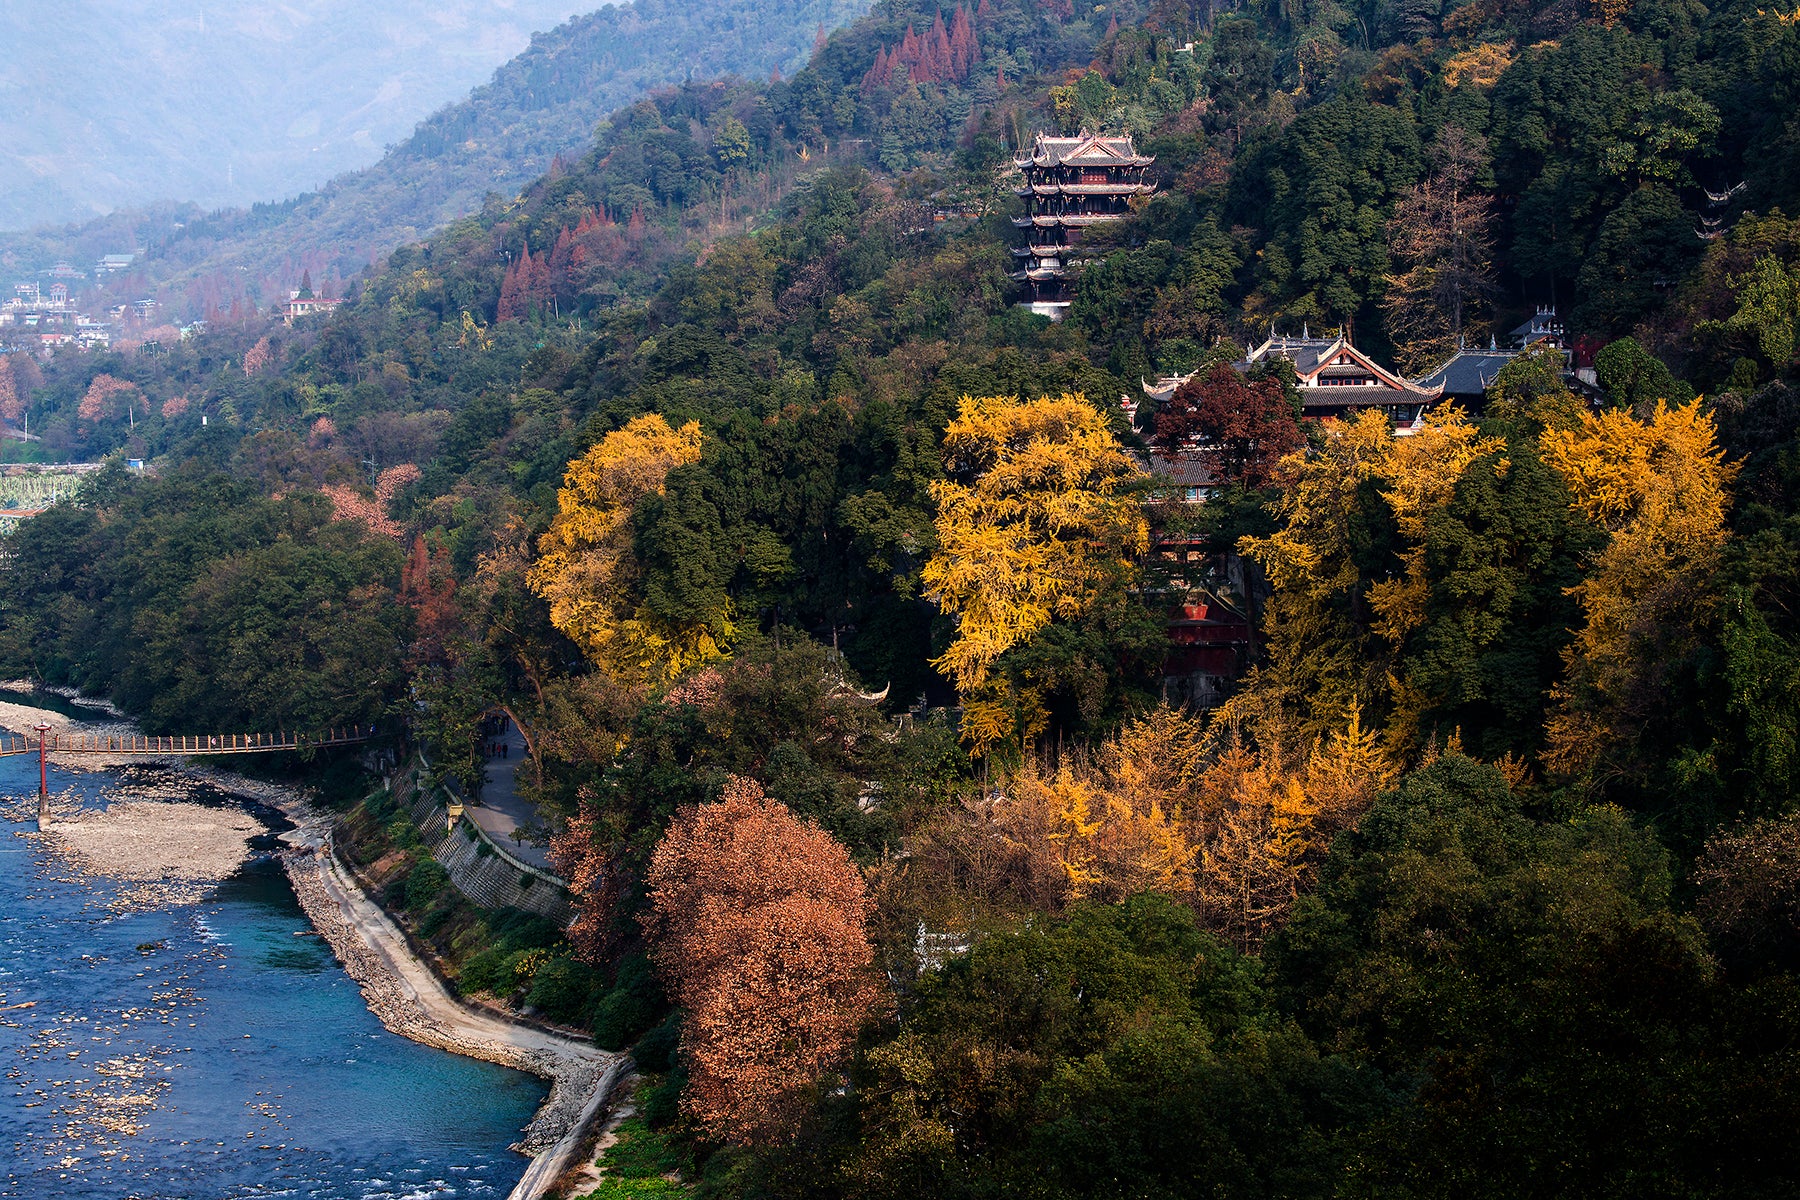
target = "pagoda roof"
x: 1085, y: 150
x: 1315, y: 359
x: 1051, y: 220
x: 1543, y: 324
x: 1086, y: 189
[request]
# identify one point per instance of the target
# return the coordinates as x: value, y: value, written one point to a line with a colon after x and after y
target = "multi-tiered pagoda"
x: 1070, y: 183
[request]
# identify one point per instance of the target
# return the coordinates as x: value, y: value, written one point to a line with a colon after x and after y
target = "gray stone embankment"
x: 410, y: 1000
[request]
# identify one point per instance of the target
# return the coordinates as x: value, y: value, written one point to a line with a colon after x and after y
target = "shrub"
x: 632, y: 1005
x: 662, y: 1106
x: 561, y: 988
x: 485, y: 972
x: 425, y: 882
x: 404, y: 834
x: 655, y: 1051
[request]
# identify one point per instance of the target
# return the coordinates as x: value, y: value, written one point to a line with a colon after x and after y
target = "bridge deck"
x: 197, y: 744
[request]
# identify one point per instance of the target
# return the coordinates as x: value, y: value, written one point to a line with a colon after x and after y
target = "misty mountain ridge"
x: 547, y: 101
x: 120, y: 105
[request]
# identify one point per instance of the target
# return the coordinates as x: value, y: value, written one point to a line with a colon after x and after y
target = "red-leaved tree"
x: 758, y: 929
x: 1240, y: 427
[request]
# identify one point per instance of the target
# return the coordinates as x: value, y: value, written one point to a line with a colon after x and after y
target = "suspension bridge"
x: 47, y: 743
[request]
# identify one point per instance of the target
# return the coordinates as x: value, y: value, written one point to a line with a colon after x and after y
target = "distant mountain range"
x: 117, y: 105
x: 547, y: 100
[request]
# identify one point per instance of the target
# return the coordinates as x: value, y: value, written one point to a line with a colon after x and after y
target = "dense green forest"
x: 830, y: 588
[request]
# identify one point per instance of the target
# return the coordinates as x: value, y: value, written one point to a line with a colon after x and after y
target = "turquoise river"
x: 215, y: 1049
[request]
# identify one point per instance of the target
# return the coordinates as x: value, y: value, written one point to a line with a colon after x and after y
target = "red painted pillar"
x: 43, y: 774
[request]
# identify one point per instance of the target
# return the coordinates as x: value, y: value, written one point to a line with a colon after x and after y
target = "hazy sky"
x: 115, y: 104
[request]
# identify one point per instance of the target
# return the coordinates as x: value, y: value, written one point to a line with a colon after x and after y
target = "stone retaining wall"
x: 481, y: 868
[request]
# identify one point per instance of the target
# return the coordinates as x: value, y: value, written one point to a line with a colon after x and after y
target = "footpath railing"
x: 204, y: 744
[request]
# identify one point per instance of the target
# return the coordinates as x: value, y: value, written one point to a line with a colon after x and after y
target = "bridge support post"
x: 43, y: 732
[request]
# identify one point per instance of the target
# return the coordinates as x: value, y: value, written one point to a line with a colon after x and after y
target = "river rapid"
x: 212, y: 1047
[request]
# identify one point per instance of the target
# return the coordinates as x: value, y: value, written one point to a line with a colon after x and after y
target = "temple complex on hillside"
x: 1070, y: 183
x: 1335, y: 379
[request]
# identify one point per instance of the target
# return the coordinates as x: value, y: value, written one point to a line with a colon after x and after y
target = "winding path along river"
x: 216, y: 1048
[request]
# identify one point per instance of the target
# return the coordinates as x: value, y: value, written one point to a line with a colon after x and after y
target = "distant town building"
x: 298, y: 306
x: 1070, y: 184
x: 112, y: 264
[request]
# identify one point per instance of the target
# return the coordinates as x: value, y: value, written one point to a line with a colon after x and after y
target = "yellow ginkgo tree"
x: 1037, y: 516
x: 1333, y: 633
x: 586, y: 569
x: 1661, y: 488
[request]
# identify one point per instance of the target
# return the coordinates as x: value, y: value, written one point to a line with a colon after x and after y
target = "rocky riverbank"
x: 175, y: 851
x: 410, y: 1000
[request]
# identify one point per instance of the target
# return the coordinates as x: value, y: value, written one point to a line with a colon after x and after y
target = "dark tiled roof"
x: 1187, y: 471
x: 1542, y: 324
x: 1468, y: 372
x: 1086, y: 150
x: 1376, y: 396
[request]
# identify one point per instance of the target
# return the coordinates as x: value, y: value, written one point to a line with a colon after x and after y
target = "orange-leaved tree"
x: 586, y: 567
x: 758, y: 927
x: 1266, y: 810
x: 98, y: 397
x: 1037, y: 517
x: 1661, y: 488
x: 1232, y: 821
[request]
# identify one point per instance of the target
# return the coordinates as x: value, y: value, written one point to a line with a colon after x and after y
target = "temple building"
x: 1466, y: 375
x: 1070, y: 183
x: 1335, y: 379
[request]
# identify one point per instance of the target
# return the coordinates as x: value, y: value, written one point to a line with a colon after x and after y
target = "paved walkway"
x: 503, y: 813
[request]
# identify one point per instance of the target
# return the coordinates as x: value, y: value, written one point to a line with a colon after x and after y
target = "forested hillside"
x: 833, y: 591
x: 545, y: 102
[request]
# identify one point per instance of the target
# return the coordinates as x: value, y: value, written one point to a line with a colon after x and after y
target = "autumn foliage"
x: 587, y: 570
x: 758, y: 930
x: 101, y: 397
x: 349, y: 504
x: 1233, y: 818
x: 1660, y: 487
x: 527, y: 286
x: 18, y: 376
x: 1240, y: 427
x: 1035, y: 518
x: 944, y: 54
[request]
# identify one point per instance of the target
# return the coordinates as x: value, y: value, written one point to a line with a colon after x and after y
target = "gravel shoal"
x: 171, y: 852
